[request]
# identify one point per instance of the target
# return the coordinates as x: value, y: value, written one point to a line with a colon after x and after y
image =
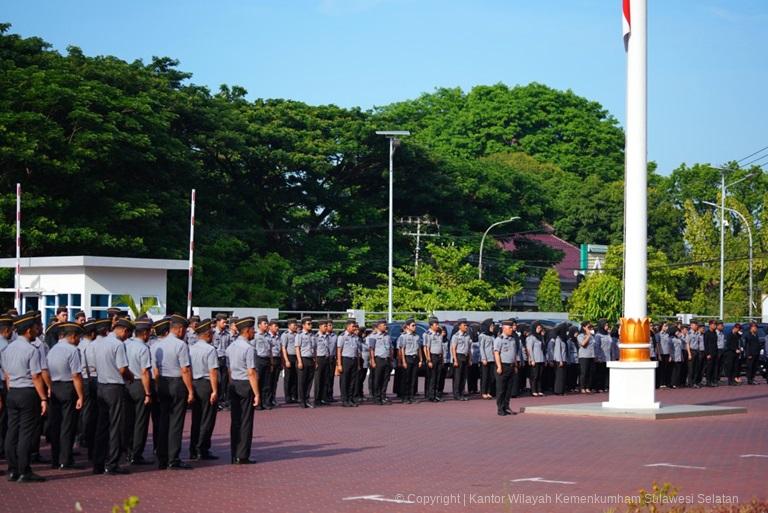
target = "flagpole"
x: 191, y: 253
x: 17, y: 301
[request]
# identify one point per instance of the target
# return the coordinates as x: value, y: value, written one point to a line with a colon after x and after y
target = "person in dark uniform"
x: 752, y: 348
x: 519, y: 378
x: 560, y: 358
x: 221, y: 340
x: 67, y: 394
x: 731, y: 354
x: 306, y: 362
x: 205, y: 380
x: 112, y: 368
x: 572, y: 370
x: 6, y: 328
x: 409, y: 347
x: 288, y: 351
x: 433, y: 354
x: 277, y: 361
x: 460, y: 346
x: 711, y: 355
x: 174, y: 391
x: 140, y: 392
x: 264, y: 364
x: 347, y: 363
x: 243, y: 391
x: 380, y: 347
x: 26, y: 395
x: 505, y: 358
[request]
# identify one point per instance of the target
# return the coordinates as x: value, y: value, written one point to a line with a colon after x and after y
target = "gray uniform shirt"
x: 169, y: 355
x: 664, y: 345
x: 3, y: 344
x: 274, y: 344
x: 42, y: 352
x: 21, y: 361
x: 323, y: 344
x: 720, y: 340
x: 349, y: 345
x: 203, y: 358
x: 603, y: 343
x: 434, y: 341
x: 589, y: 351
x: 365, y: 351
x: 221, y: 340
x: 288, y: 341
x: 410, y: 343
x: 560, y: 351
x: 109, y: 358
x: 381, y: 344
x: 241, y: 356
x: 332, y: 341
x: 676, y: 349
x: 306, y: 344
x: 190, y: 337
x: 486, y: 347
x: 535, y: 349
x: 138, y: 356
x: 507, y: 349
x: 63, y: 361
x: 262, y: 344
x: 461, y: 342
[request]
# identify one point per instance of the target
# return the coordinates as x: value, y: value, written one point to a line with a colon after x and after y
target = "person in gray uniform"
x: 190, y: 337
x: 205, y: 381
x: 535, y: 346
x: 174, y: 391
x: 6, y: 328
x: 347, y: 363
x: 676, y: 356
x: 51, y: 333
x: 27, y: 397
x: 487, y: 360
x: 572, y: 371
x: 67, y: 394
x: 221, y: 340
x: 273, y: 333
x: 505, y: 358
x: 433, y: 354
x: 139, y: 392
x: 409, y: 346
x: 365, y: 364
x: 322, y: 359
x: 93, y: 332
x: 380, y: 347
x: 244, y: 393
x: 111, y: 363
x: 263, y: 346
x: 603, y: 343
x: 665, y: 355
x: 331, y: 373
x: 288, y: 350
x: 560, y: 358
x: 695, y: 343
x: 460, y: 345
x: 586, y: 340
x: 306, y: 351
x: 42, y: 351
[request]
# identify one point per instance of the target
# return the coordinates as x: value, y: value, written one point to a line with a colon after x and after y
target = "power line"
x: 752, y: 154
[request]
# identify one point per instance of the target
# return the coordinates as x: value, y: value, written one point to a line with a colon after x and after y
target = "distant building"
x: 91, y: 283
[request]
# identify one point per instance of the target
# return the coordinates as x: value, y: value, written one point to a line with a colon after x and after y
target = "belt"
x: 263, y: 357
x: 171, y: 377
x: 202, y: 379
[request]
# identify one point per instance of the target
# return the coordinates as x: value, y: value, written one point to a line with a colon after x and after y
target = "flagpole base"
x: 633, y: 386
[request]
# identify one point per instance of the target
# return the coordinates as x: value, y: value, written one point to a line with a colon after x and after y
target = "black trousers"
x: 503, y: 385
x: 172, y: 394
x: 572, y: 376
x: 362, y: 372
x: 710, y: 369
x: 3, y: 419
x: 488, y: 379
x: 109, y: 426
x: 434, y: 390
x: 560, y: 378
x: 223, y: 379
x: 264, y: 369
x: 536, y: 371
x: 290, y: 385
x: 331, y: 372
x: 676, y: 374
x: 89, y: 415
x: 729, y: 365
x: 274, y: 378
x: 137, y: 420
x: 62, y: 422
x: 321, y: 379
x: 203, y: 418
x: 599, y: 376
x: 410, y: 377
x: 459, y: 376
x: 304, y: 378
x: 665, y: 370
x: 241, y: 415
x: 752, y: 364
x: 586, y: 369
x: 473, y: 377
x: 381, y: 378
x: 23, y: 405
x: 348, y: 380
x: 518, y: 379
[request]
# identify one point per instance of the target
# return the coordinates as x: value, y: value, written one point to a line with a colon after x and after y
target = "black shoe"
x: 260, y: 407
x: 36, y: 458
x: 322, y: 403
x: 502, y: 413
x: 194, y: 456
x: 70, y: 466
x: 140, y: 461
x: 206, y: 456
x: 465, y: 398
x: 310, y: 405
x: 180, y: 465
x: 243, y: 461
x: 30, y: 477
x: 116, y: 471
x: 13, y: 476
x: 345, y: 404
x: 509, y: 412
x: 387, y: 401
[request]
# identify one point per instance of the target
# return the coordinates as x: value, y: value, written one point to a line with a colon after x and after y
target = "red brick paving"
x: 310, y: 460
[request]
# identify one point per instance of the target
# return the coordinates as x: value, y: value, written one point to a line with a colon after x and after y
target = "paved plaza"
x: 457, y: 455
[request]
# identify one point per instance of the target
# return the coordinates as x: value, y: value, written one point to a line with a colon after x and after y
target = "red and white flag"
x: 626, y: 25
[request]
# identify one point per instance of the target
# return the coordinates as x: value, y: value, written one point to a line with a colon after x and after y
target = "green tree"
x: 598, y: 296
x: 549, y: 296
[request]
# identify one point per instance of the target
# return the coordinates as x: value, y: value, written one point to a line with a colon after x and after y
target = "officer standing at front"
x: 273, y: 333
x: 243, y: 391
x: 205, y: 381
x: 111, y: 364
x: 409, y: 346
x: 26, y: 396
x: 305, y: 343
x: 174, y: 390
x: 139, y: 392
x: 263, y: 346
x: 433, y: 353
x: 380, y: 347
x: 288, y: 350
x: 347, y: 352
x: 67, y: 394
x: 460, y: 345
x: 505, y: 358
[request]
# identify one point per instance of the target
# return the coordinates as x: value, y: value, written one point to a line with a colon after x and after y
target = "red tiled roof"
x: 571, y: 254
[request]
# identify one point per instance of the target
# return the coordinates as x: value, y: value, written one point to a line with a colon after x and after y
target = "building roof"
x: 96, y: 261
x: 571, y: 254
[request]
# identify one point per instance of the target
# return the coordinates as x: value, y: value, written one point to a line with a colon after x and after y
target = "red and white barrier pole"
x: 191, y: 253
x: 17, y: 302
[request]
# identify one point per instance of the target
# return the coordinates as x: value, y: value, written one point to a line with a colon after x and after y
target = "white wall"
x: 56, y: 280
x: 136, y: 282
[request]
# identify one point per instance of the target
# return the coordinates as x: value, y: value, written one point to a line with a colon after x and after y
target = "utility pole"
x: 426, y: 221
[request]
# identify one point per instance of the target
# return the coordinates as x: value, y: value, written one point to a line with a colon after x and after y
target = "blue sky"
x: 707, y: 73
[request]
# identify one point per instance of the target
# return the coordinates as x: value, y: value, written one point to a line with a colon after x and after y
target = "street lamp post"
x: 482, y: 242
x: 394, y: 137
x: 749, y: 234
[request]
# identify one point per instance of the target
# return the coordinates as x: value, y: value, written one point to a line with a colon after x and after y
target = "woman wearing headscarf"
x: 676, y: 355
x: 602, y: 355
x: 560, y: 357
x: 535, y: 346
x: 473, y: 369
x: 487, y: 361
x: 519, y: 377
x: 572, y: 370
x: 586, y: 340
x: 548, y: 374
